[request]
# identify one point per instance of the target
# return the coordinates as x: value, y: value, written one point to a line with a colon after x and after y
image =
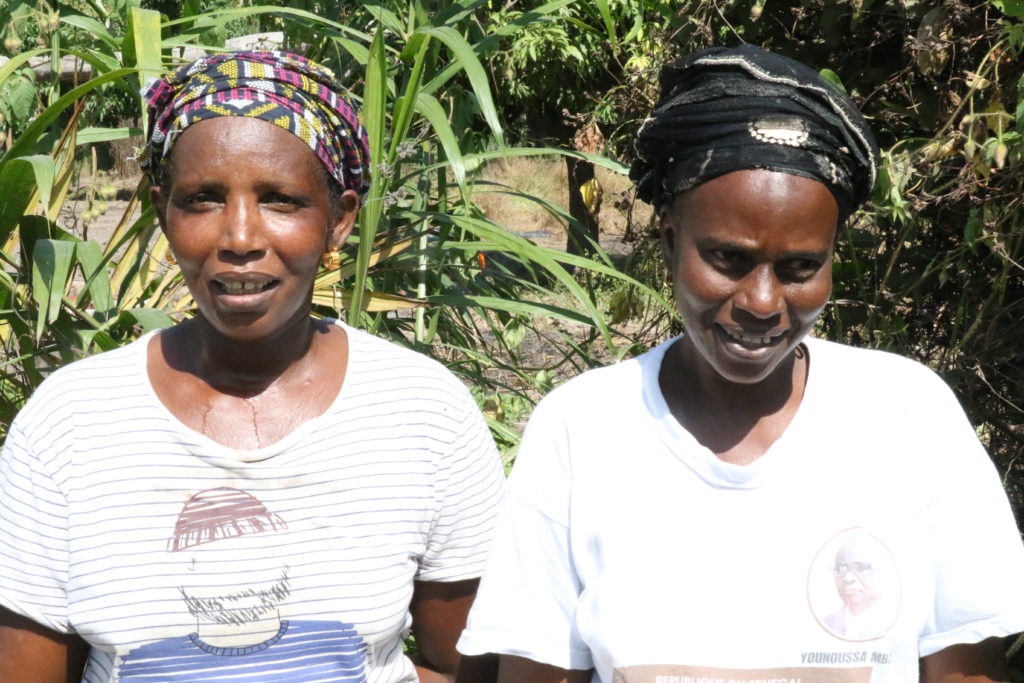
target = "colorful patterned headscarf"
x: 287, y: 90
x: 731, y: 109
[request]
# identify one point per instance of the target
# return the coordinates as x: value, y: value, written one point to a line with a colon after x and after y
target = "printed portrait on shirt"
x: 235, y: 587
x: 853, y: 586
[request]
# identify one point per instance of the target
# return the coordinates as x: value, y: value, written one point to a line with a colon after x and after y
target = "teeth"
x: 243, y: 287
x: 748, y: 338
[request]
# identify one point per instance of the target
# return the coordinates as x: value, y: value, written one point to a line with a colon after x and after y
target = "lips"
x: 245, y: 287
x: 242, y: 284
x: 751, y: 340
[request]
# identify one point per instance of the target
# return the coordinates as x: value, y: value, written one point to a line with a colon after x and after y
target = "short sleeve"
x: 33, y: 536
x: 468, y: 490
x: 526, y: 604
x: 976, y: 551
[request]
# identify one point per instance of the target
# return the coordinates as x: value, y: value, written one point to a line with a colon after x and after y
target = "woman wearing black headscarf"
x: 744, y: 502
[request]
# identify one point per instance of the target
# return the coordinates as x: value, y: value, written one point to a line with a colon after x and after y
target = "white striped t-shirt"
x: 178, y: 558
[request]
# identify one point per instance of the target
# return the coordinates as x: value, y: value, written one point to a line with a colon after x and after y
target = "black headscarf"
x: 729, y: 109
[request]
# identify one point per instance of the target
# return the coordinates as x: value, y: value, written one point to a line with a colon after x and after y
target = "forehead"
x: 857, y: 550
x: 242, y: 144
x: 758, y: 208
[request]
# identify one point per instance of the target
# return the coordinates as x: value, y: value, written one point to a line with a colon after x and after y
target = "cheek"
x: 812, y: 298
x: 697, y: 287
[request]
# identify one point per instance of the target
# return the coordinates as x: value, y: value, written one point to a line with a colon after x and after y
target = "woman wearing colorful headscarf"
x: 252, y: 494
x: 745, y: 502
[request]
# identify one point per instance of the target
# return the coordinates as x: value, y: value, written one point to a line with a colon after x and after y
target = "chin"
x: 742, y: 373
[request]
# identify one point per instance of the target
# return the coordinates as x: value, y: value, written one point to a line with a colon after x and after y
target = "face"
x: 264, y: 587
x: 750, y: 254
x: 858, y: 576
x: 247, y: 215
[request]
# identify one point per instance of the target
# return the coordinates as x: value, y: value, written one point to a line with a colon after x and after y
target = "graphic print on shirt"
x: 853, y: 586
x: 234, y: 589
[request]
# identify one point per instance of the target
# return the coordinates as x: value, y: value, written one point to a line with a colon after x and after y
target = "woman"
x: 707, y: 511
x: 252, y: 494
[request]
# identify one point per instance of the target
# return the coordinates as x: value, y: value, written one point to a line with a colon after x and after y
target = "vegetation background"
x: 931, y: 269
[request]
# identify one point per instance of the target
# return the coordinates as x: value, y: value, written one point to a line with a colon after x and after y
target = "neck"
x: 715, y: 393
x: 737, y: 422
x: 243, y: 369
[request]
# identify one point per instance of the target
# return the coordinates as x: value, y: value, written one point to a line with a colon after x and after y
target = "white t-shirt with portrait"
x: 179, y: 559
x: 628, y: 547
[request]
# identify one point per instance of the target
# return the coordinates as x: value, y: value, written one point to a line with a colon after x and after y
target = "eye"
x: 200, y: 201
x: 727, y: 260
x: 799, y: 270
x: 282, y: 202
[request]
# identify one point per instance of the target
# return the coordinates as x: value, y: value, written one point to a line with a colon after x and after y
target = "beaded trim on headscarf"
x: 729, y: 109
x: 287, y: 90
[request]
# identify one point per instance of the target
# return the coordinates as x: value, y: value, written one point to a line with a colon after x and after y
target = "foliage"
x: 427, y: 268
x: 931, y: 269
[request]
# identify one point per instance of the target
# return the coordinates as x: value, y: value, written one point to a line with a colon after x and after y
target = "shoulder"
x: 873, y: 370
x: 111, y: 375
x: 382, y: 359
x: 902, y: 400
x: 401, y: 376
x: 609, y: 390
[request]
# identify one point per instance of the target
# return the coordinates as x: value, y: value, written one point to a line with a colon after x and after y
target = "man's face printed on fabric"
x: 237, y: 599
x: 859, y: 575
x: 232, y: 582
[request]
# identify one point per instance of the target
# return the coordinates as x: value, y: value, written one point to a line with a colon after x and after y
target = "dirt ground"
x: 546, y: 178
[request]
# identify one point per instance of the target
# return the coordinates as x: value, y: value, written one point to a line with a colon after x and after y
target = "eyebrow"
x: 726, y: 245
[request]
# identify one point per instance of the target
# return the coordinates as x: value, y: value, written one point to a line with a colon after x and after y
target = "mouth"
x: 752, y: 341
x: 244, y: 287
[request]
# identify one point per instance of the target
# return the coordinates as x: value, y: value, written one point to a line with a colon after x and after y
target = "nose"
x: 242, y: 229
x: 760, y: 293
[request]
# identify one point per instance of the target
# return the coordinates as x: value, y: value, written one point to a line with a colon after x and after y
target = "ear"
x: 159, y: 201
x: 345, y: 212
x: 667, y: 233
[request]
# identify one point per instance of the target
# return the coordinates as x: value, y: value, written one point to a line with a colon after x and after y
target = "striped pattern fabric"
x: 149, y: 540
x: 287, y: 90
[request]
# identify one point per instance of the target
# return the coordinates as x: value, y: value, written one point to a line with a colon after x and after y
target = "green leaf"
x: 1011, y: 8
x: 93, y: 29
x: 20, y: 99
x: 42, y: 169
x: 832, y: 78
x: 359, y: 52
x: 225, y: 16
x: 374, y: 100
x: 511, y: 306
x: 473, y: 161
x: 544, y: 258
x: 431, y: 109
x: 1020, y: 105
x: 16, y: 63
x: 92, y: 135
x: 35, y: 131
x: 17, y: 181
x: 973, y: 228
x: 466, y: 57
x: 97, y: 281
x: 386, y: 17
x: 144, y: 48
x: 148, y: 318
x: 51, y: 266
x: 606, y: 17
x: 402, y: 116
